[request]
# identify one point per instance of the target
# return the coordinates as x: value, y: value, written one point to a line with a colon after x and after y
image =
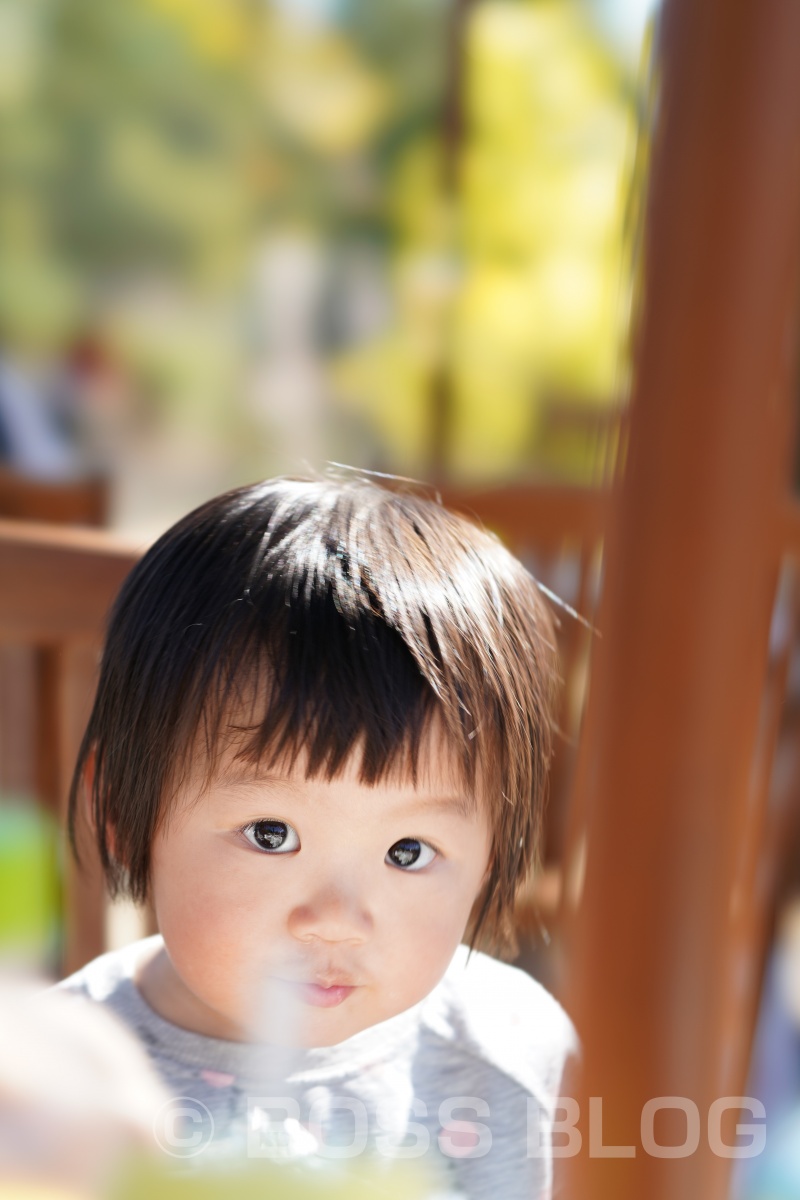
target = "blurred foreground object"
x: 353, y: 1180
x: 83, y: 1115
x: 77, y: 1094
x: 29, y: 891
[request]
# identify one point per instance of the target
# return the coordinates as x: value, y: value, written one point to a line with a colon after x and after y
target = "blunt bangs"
x: 342, y: 619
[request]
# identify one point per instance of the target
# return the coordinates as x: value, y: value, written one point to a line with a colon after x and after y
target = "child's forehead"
x: 233, y: 758
x: 435, y: 766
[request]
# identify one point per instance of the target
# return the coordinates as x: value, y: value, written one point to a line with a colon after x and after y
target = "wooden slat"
x: 17, y: 719
x: 57, y: 584
x: 545, y: 516
x: 80, y: 501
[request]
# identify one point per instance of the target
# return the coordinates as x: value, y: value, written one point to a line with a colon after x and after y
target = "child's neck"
x: 164, y: 991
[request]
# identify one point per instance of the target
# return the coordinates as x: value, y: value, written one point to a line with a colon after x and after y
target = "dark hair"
x: 358, y: 614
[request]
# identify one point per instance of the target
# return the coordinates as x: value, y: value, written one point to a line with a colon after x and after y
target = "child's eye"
x: 410, y: 854
x: 274, y: 837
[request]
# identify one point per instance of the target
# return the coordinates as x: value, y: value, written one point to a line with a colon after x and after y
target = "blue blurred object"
x: 775, y: 1071
x: 777, y: 1176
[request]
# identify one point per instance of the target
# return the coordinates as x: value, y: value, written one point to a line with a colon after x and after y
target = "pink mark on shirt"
x: 459, y: 1140
x: 217, y: 1078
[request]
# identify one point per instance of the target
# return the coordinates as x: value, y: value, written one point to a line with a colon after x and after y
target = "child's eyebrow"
x: 462, y: 804
x: 235, y: 776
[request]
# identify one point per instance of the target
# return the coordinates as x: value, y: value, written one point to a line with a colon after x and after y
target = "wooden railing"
x: 56, y: 586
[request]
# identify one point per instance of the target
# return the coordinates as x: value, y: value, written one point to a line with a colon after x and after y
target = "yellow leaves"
x: 497, y: 307
x: 387, y: 383
x: 18, y: 53
x: 179, y: 188
x: 417, y: 209
x: 319, y: 90
x: 514, y: 32
x: 543, y: 192
x: 524, y: 207
x: 532, y: 70
x: 541, y: 212
x: 38, y: 298
x: 217, y: 30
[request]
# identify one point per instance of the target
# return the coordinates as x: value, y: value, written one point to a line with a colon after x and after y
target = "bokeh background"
x: 241, y: 237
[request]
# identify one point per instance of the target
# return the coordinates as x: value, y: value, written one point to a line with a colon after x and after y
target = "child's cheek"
x: 204, y: 910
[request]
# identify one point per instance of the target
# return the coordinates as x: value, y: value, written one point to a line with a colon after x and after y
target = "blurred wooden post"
x: 662, y: 950
x: 56, y: 586
x: 452, y: 136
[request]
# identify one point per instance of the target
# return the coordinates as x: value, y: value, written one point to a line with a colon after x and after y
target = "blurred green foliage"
x: 126, y: 133
x: 150, y: 148
x: 30, y: 902
x: 523, y: 284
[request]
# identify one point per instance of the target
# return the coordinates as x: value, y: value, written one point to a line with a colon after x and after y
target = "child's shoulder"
x: 500, y: 1015
x: 107, y: 976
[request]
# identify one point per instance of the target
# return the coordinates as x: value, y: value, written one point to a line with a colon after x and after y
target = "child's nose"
x: 334, y: 913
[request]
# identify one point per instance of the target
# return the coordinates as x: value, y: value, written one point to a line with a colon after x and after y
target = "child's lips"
x: 320, y: 996
x: 322, y: 991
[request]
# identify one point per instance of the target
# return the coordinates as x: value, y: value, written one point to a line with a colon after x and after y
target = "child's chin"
x: 318, y: 1035
x: 321, y: 1031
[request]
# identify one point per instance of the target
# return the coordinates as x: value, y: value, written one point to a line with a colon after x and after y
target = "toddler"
x: 319, y: 749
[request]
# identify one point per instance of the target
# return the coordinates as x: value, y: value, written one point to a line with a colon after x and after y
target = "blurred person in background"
x: 92, y: 401
x: 35, y: 438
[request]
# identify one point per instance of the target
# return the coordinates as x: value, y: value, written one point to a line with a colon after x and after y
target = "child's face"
x: 338, y: 904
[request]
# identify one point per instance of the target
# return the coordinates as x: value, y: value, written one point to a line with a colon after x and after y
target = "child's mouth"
x: 323, y: 997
